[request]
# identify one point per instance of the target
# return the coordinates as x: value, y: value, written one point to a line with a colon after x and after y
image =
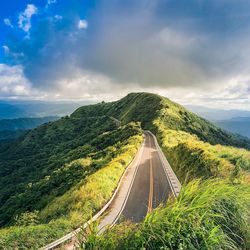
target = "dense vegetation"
x: 13, y: 128
x: 49, y: 165
x: 7, y: 135
x: 57, y: 175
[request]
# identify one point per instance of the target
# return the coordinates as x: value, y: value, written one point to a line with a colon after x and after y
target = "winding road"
x: 147, y: 182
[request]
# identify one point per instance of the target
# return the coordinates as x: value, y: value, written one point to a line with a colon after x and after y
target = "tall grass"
x: 192, y: 158
x: 207, y: 215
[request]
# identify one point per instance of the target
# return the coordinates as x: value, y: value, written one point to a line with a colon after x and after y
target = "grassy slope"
x: 195, y: 148
x: 207, y: 215
x: 77, y: 205
x: 99, y: 174
x: 61, y: 173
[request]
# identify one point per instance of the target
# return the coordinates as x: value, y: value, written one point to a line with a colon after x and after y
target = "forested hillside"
x: 44, y: 172
x: 56, y: 176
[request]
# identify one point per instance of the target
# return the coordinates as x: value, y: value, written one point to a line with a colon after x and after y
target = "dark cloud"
x: 161, y: 43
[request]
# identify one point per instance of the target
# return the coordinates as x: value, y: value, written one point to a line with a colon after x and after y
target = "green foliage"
x: 190, y: 157
x: 24, y: 123
x: 27, y: 219
x: 102, y: 171
x: 40, y: 153
x: 206, y: 215
x: 32, y: 237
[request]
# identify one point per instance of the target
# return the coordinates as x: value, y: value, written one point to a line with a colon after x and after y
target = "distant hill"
x: 11, y: 134
x: 213, y: 114
x: 239, y: 125
x: 24, y: 123
x: 13, y: 128
x: 19, y: 109
x: 8, y: 111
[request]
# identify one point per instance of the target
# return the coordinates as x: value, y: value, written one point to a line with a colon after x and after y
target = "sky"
x: 193, y: 51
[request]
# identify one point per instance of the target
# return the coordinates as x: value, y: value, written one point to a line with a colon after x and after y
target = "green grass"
x: 192, y: 158
x: 77, y: 205
x: 207, y: 215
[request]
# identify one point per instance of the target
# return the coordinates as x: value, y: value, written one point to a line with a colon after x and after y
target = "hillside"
x: 11, y: 134
x: 147, y: 108
x: 13, y: 128
x: 44, y: 175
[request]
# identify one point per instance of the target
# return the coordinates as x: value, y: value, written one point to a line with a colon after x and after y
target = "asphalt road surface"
x: 150, y: 187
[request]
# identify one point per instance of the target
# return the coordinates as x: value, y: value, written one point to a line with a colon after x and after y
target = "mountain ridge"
x: 178, y: 118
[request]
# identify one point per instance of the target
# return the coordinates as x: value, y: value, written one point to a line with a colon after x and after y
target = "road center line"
x: 151, y: 179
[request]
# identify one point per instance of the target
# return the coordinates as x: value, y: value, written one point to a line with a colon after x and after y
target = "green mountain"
x: 56, y: 176
x: 147, y: 108
x: 11, y: 134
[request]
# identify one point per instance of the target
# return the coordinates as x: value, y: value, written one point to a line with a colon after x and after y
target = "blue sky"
x: 193, y: 51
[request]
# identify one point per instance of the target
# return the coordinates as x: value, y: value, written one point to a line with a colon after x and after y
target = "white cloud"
x: 58, y: 17
x: 49, y: 2
x: 24, y: 19
x: 7, y: 22
x: 6, y: 49
x: 82, y: 24
x: 228, y: 94
x: 13, y: 83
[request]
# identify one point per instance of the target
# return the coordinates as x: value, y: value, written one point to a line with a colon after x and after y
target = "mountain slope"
x: 26, y: 163
x: 13, y: 128
x: 147, y: 108
x: 45, y: 173
x: 44, y: 149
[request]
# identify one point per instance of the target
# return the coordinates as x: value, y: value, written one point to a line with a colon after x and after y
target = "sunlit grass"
x: 212, y: 214
x: 190, y: 157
